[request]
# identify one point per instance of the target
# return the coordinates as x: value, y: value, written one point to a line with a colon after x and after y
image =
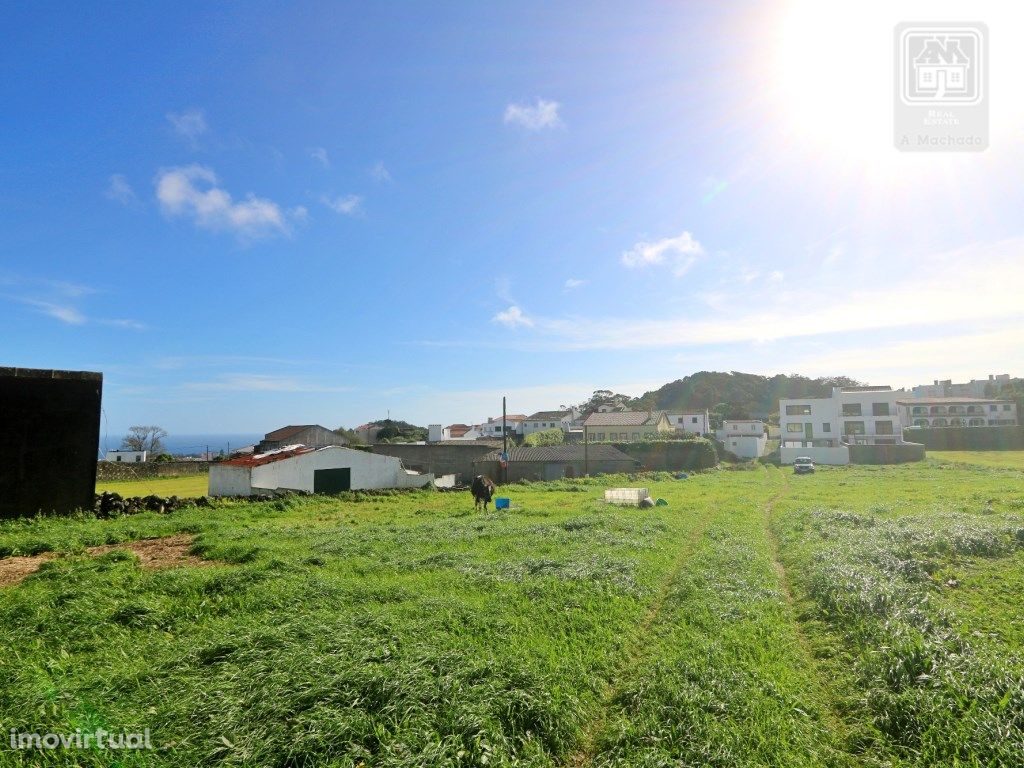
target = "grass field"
x: 860, y: 616
x: 189, y: 486
x: 1009, y: 459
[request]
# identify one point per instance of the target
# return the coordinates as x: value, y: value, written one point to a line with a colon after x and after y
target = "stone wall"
x: 439, y: 458
x: 119, y: 470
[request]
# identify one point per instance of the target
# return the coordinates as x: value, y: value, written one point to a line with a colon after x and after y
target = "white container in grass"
x: 626, y: 497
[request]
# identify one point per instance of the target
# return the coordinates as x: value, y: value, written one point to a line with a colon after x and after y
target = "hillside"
x: 744, y: 393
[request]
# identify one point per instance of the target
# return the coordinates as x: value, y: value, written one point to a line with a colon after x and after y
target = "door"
x: 808, y: 431
x: 332, y: 480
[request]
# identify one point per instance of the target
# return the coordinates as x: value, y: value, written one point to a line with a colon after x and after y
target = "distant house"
x: 938, y: 412
x: 555, y: 462
x: 455, y: 431
x: 299, y: 468
x: 513, y: 425
x: 974, y: 388
x: 541, y: 420
x: 744, y: 437
x: 127, y: 457
x: 309, y: 435
x: 694, y: 422
x: 625, y: 426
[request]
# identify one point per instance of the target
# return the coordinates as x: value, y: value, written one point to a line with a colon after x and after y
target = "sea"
x: 194, y: 445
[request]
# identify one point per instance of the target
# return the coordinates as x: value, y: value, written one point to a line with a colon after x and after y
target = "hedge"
x: 1006, y: 438
x: 886, y: 454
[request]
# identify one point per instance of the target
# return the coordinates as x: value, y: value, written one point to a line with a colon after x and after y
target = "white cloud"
x: 349, y: 205
x: 257, y: 382
x: 299, y: 213
x: 320, y: 155
x: 544, y: 114
x: 192, y: 191
x: 63, y: 312
x: 682, y: 252
x: 380, y: 173
x: 120, y: 190
x: 573, y: 282
x: 776, y: 276
x: 512, y: 317
x: 190, y: 124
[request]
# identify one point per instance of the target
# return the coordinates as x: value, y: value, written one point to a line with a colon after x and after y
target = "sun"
x: 827, y: 79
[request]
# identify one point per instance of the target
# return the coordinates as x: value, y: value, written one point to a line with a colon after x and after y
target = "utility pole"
x: 586, y: 457
x: 504, y: 443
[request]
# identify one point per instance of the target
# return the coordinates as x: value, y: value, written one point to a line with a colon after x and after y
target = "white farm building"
x: 322, y: 470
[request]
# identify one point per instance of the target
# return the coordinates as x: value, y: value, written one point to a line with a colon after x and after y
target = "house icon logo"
x: 940, y: 65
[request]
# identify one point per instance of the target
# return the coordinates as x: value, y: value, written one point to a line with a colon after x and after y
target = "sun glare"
x: 829, y: 80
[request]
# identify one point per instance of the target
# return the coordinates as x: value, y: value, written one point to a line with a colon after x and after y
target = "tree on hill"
x: 350, y: 435
x: 394, y: 431
x: 141, y: 438
x: 736, y: 394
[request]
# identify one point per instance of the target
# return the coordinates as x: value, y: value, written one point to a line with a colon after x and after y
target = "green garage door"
x: 332, y: 480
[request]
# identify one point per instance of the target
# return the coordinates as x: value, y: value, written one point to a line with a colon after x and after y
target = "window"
x: 879, y: 409
x: 851, y: 409
x: 919, y: 410
x: 118, y: 458
x: 1006, y: 407
x: 795, y: 428
x: 636, y: 435
x: 993, y: 407
x: 138, y: 458
x: 798, y: 410
x: 600, y: 435
x: 693, y: 420
x: 826, y: 427
x: 883, y: 428
x: 853, y: 427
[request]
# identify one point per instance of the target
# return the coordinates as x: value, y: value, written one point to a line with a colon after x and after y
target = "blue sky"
x: 255, y: 214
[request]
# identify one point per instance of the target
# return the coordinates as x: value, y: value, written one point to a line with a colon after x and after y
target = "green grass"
x: 1008, y: 459
x: 861, y: 616
x: 189, y: 486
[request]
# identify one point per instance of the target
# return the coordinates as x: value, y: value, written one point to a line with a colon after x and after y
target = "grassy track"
x: 759, y: 619
x: 188, y: 486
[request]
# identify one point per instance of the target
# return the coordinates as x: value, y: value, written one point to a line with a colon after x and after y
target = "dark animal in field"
x: 482, y: 490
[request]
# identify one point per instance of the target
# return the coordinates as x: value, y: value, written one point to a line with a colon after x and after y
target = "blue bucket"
x: 501, y: 503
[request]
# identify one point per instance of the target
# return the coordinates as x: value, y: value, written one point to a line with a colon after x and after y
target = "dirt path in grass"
x: 634, y: 648
x: 166, y: 552
x: 831, y: 714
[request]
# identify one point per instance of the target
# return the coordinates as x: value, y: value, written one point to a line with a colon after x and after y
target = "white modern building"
x: 126, y: 457
x: 746, y: 438
x: 824, y: 427
x: 696, y: 422
x: 541, y: 420
x: 316, y: 470
x: 938, y: 412
x: 974, y: 388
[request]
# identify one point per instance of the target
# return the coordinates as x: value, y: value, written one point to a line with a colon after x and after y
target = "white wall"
x: 369, y: 470
x: 229, y: 480
x: 435, y: 433
x: 539, y: 425
x: 745, y: 446
x: 828, y: 421
x: 696, y: 423
x: 818, y: 455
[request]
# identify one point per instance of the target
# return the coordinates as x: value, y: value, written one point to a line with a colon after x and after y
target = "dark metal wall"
x: 49, y: 435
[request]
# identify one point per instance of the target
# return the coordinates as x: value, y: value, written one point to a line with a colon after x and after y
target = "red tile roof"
x: 260, y: 459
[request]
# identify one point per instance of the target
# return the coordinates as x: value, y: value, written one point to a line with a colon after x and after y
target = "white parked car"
x: 803, y: 465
